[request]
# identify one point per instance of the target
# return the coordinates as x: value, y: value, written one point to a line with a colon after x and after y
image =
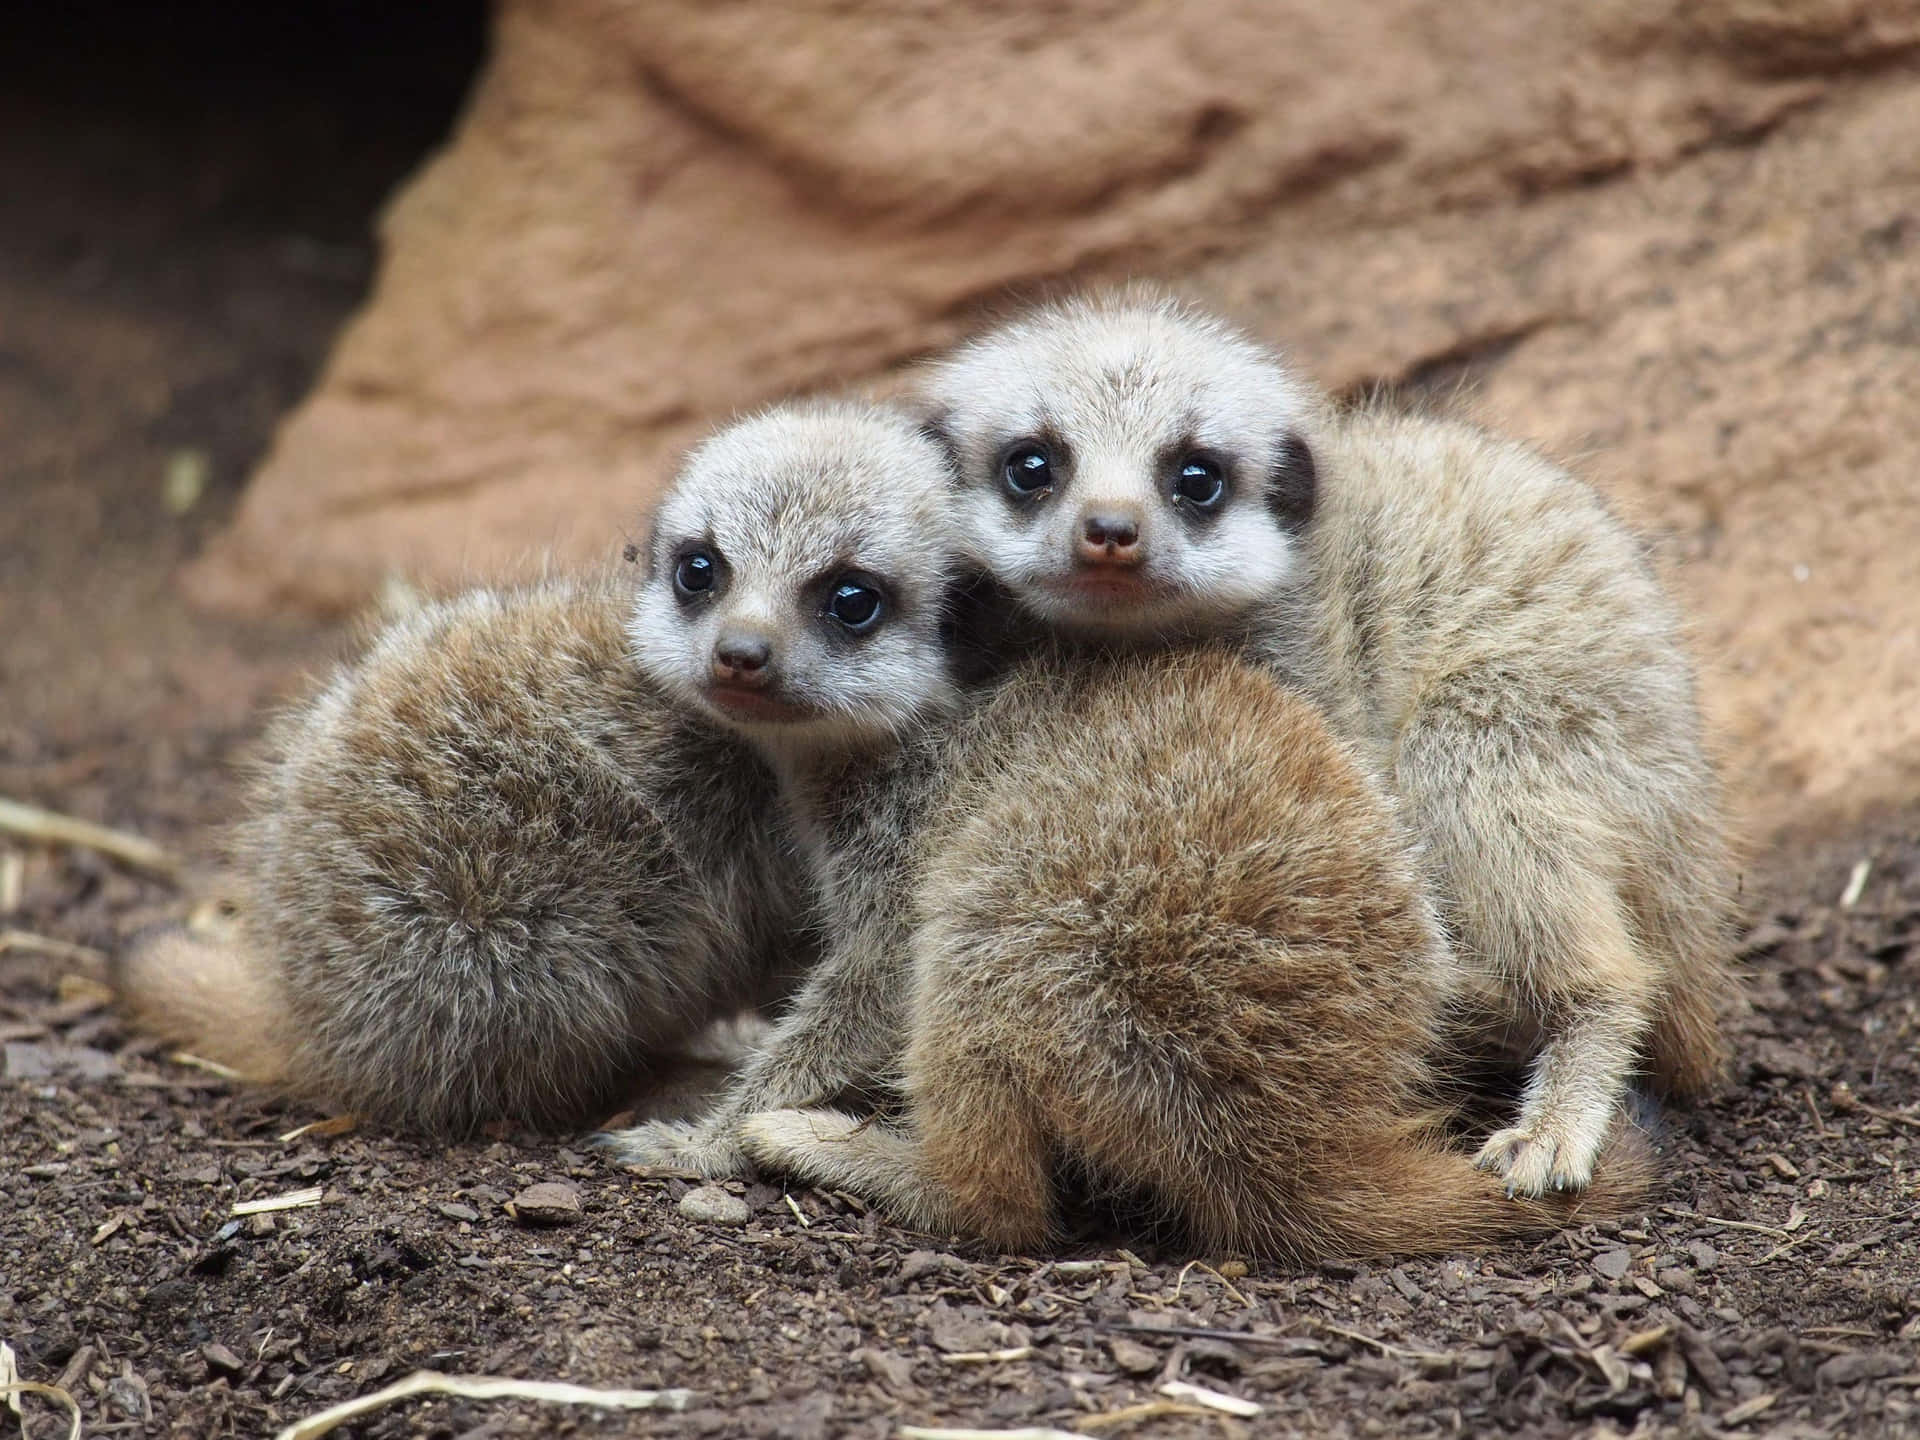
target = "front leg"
x: 1574, y: 1088
x: 842, y: 1034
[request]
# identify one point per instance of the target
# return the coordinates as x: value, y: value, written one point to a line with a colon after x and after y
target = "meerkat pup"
x: 1166, y: 932
x: 1470, y: 614
x: 897, y: 637
x: 496, y: 870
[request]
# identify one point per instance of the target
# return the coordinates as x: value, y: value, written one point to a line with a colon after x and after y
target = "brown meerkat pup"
x: 1466, y: 611
x: 495, y: 870
x: 1168, y: 932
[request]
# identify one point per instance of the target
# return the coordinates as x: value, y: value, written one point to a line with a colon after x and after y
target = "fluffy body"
x: 1165, y: 931
x: 495, y: 870
x: 487, y: 873
x: 1468, y: 613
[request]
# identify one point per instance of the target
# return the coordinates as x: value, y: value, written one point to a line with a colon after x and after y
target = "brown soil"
x: 163, y: 295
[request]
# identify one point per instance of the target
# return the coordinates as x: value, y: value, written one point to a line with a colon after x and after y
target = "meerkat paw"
x: 786, y: 1140
x: 1535, y: 1161
x: 709, y: 1149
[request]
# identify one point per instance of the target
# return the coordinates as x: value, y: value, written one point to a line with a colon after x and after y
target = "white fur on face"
x: 788, y: 502
x: 1120, y: 389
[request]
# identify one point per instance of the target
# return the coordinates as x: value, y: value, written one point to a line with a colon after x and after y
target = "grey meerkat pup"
x: 495, y: 871
x: 816, y: 608
x: 1167, y: 934
x: 1137, y: 472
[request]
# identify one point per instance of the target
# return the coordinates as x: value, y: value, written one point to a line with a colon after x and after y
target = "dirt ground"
x: 168, y: 285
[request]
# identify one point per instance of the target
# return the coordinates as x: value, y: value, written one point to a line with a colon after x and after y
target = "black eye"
x: 856, y: 604
x: 1200, y: 482
x: 1028, y: 469
x: 694, y: 574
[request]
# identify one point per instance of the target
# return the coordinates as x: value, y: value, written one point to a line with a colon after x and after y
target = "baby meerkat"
x: 1467, y: 612
x: 1170, y: 935
x: 815, y: 607
x: 496, y: 870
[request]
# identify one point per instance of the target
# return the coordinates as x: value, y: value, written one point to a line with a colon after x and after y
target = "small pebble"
x: 710, y: 1205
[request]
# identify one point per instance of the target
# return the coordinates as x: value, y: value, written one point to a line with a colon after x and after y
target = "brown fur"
x: 1464, y: 610
x: 488, y: 873
x: 1171, y: 931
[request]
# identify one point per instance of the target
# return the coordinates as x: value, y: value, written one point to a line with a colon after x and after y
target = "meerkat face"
x: 796, y: 577
x: 1128, y: 466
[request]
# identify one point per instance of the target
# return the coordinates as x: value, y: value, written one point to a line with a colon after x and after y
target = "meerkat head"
x: 1129, y: 466
x: 797, y: 578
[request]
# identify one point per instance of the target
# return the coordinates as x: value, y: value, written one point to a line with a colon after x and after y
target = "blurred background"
x: 299, y: 302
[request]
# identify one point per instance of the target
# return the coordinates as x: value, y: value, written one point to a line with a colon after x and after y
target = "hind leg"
x: 984, y: 1146
x: 979, y: 1164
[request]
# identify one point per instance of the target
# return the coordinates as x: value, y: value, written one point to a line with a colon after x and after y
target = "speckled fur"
x: 1467, y: 612
x: 514, y: 856
x: 1164, y: 929
x: 488, y: 873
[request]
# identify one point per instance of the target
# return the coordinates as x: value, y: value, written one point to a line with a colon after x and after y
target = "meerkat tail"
x: 1424, y: 1198
x: 208, y: 994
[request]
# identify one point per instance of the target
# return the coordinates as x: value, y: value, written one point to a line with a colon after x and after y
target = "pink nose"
x: 742, y: 660
x: 1109, y: 537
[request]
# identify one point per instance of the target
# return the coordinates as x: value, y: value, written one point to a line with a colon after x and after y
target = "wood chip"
x: 942, y: 1432
x: 29, y: 943
x: 1211, y: 1399
x: 13, y: 880
x: 200, y: 1062
x: 989, y: 1357
x: 481, y: 1387
x: 322, y: 1129
x: 1129, y: 1415
x: 1747, y: 1409
x: 12, y: 1387
x: 292, y: 1200
x: 32, y: 823
x: 1646, y: 1340
x: 1133, y: 1357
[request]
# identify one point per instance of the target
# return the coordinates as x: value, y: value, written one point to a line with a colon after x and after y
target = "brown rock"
x: 551, y: 1202
x: 1679, y: 240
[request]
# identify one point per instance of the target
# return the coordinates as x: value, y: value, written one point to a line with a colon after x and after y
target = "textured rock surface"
x: 1679, y: 240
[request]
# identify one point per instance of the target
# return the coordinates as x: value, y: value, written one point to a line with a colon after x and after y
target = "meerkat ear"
x: 936, y: 423
x: 642, y: 552
x: 1293, y: 483
x: 979, y: 627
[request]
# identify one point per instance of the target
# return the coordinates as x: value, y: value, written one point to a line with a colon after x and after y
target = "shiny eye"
x: 1200, y: 482
x: 694, y: 574
x: 856, y: 604
x: 1028, y: 469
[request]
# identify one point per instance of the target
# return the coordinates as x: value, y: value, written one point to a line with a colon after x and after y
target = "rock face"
x: 1678, y: 240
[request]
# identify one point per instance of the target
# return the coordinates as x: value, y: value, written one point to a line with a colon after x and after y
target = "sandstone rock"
x: 1678, y: 241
